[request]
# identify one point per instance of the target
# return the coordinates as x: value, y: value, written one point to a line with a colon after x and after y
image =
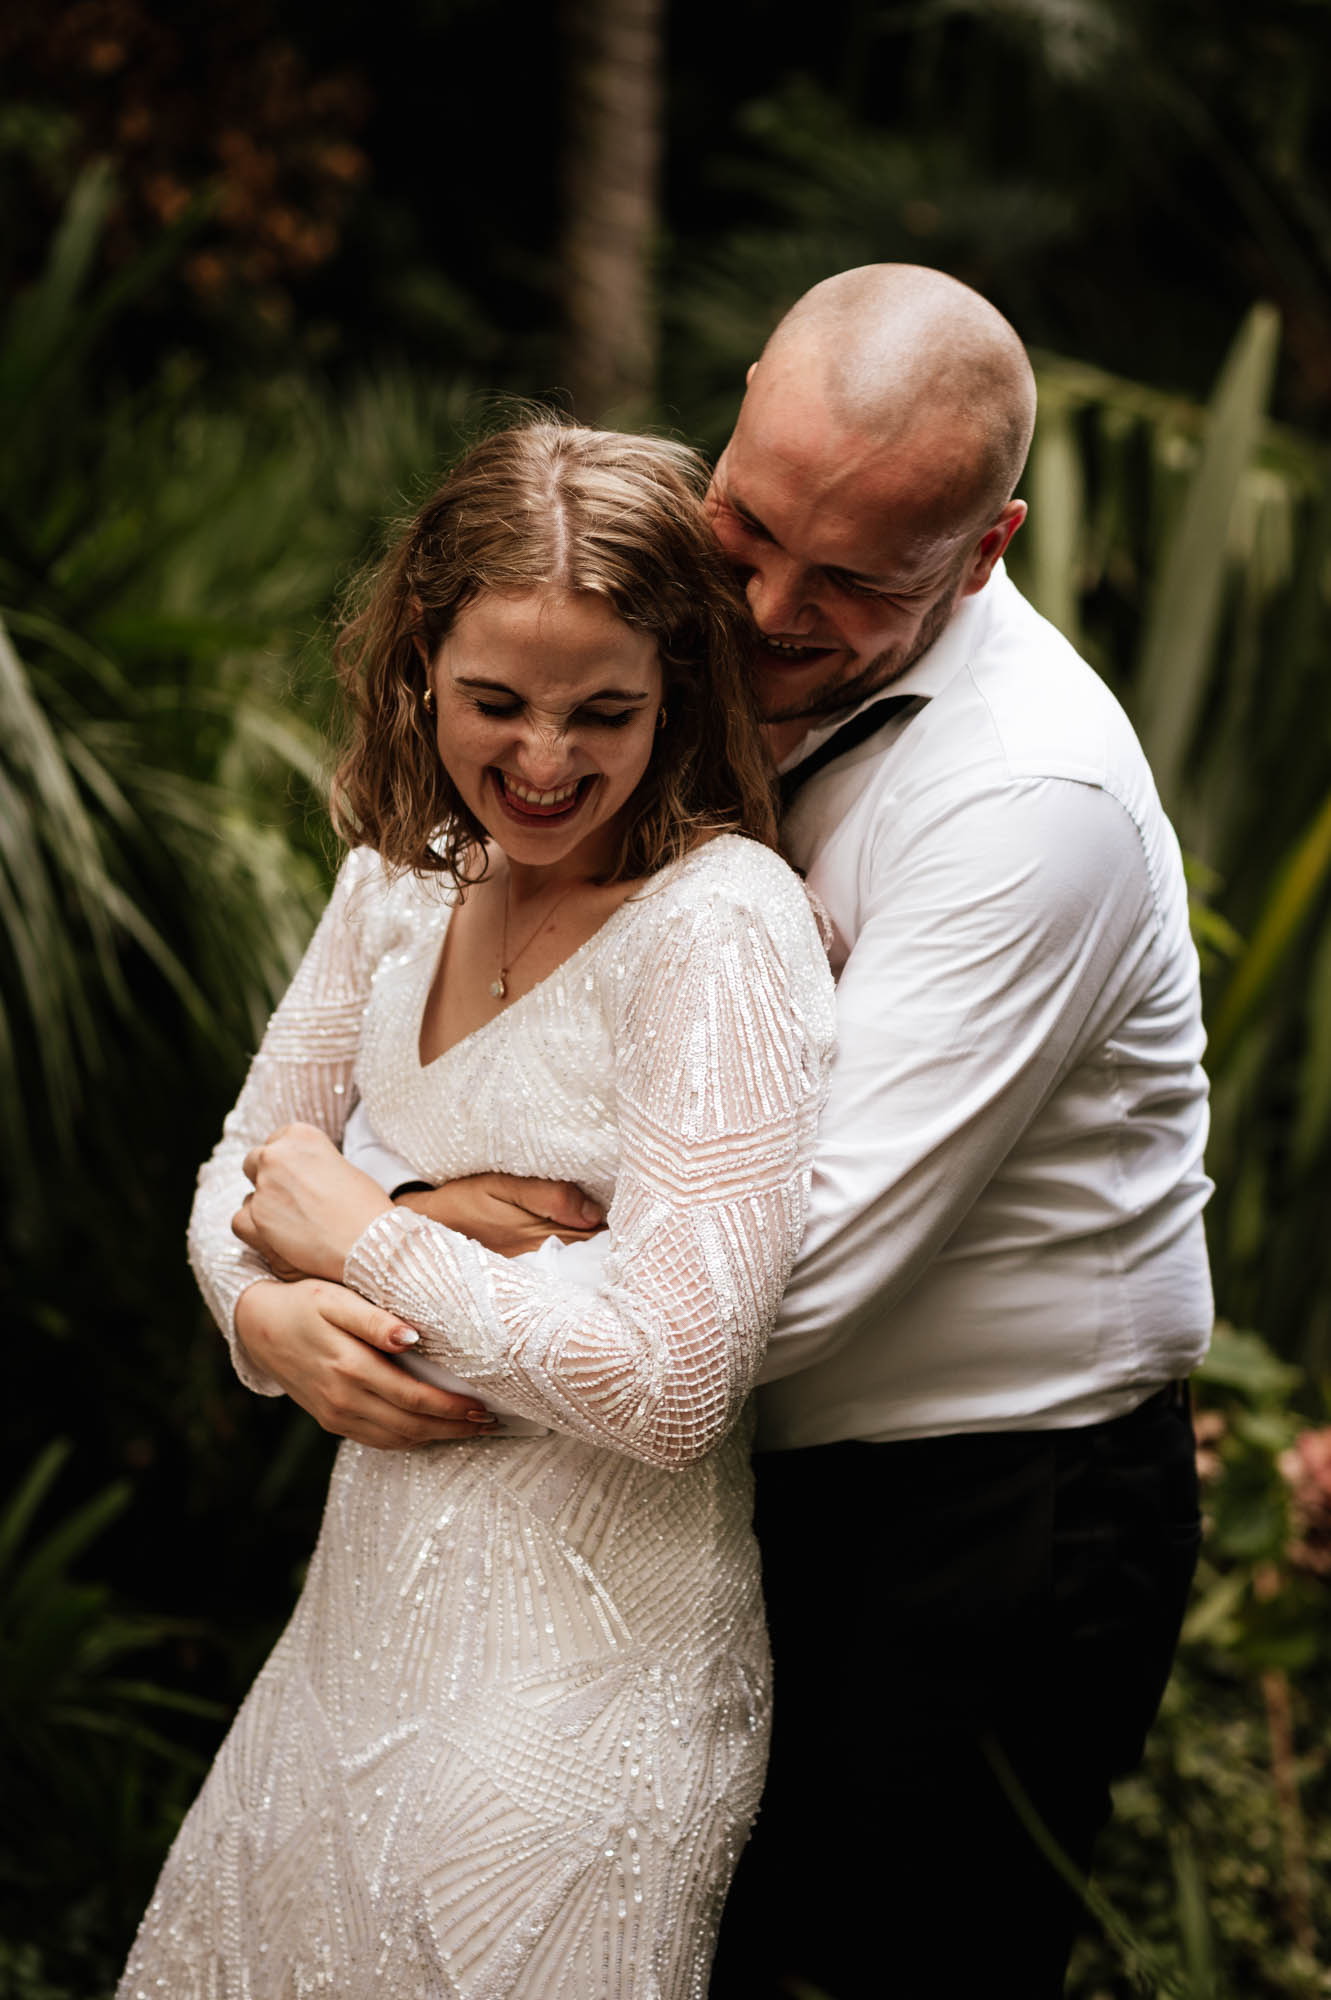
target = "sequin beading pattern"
x: 512, y: 1739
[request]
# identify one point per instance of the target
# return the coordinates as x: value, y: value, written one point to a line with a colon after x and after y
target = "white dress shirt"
x: 1005, y: 1226
x: 1005, y: 1229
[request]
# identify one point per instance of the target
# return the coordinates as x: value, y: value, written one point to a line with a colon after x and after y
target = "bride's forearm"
x: 318, y: 1342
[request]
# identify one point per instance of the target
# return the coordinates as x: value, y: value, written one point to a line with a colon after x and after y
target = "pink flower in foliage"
x: 1307, y: 1469
x: 1209, y: 1428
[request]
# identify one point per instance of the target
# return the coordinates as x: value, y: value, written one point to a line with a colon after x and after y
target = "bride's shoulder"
x: 736, y: 878
x: 380, y: 901
x: 736, y: 866
x: 728, y: 927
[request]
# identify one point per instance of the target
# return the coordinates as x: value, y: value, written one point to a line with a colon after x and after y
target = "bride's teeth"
x: 531, y: 798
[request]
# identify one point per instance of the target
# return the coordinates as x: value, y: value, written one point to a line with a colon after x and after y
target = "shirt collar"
x: 928, y: 676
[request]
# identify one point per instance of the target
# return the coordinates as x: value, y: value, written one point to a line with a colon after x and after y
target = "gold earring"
x: 427, y: 699
x: 661, y: 717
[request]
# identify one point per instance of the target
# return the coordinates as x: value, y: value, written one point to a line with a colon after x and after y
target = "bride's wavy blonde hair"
x: 554, y: 505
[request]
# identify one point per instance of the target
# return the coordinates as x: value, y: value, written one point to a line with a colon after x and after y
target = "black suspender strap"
x: 860, y: 726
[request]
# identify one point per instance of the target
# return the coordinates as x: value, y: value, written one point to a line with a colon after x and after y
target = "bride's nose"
x: 543, y: 754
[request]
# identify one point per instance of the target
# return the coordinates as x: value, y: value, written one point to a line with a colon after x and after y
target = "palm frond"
x: 1178, y: 645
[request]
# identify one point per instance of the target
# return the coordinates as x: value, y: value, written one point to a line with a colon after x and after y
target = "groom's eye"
x: 742, y: 519
x: 855, y: 586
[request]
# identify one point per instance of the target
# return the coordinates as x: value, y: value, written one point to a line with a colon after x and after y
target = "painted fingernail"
x: 406, y: 1336
x: 480, y: 1417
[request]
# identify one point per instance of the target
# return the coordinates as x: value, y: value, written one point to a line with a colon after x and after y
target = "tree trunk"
x: 612, y: 157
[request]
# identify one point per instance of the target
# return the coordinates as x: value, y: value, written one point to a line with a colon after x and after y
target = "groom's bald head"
x: 868, y: 486
x: 916, y: 361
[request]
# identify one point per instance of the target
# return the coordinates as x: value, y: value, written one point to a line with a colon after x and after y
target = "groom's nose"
x: 779, y: 596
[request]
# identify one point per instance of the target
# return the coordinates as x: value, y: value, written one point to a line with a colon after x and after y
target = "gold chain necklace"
x: 499, y: 984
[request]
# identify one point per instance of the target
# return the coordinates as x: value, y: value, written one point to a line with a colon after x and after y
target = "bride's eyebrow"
x: 628, y: 695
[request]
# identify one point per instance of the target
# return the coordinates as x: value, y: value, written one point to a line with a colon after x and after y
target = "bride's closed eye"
x: 610, y: 719
x: 505, y: 711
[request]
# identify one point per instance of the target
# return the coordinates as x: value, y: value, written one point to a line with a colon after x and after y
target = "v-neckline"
x: 649, y: 884
x: 432, y: 960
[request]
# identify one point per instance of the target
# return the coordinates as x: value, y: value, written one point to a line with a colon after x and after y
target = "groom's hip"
x: 986, y: 1568
x: 930, y: 1603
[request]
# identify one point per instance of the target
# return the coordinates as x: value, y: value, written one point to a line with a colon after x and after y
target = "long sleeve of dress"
x: 301, y: 1074
x: 722, y: 1043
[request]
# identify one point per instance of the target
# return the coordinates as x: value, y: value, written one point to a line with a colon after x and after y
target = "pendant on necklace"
x: 497, y: 986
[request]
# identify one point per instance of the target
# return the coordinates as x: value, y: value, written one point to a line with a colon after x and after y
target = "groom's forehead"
x: 892, y: 488
x: 832, y: 501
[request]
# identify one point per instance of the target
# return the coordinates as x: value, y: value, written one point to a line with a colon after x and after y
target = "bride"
x: 513, y: 1738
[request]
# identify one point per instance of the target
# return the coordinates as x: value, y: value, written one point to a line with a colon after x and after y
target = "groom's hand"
x: 319, y: 1340
x: 509, y: 1213
x: 309, y: 1205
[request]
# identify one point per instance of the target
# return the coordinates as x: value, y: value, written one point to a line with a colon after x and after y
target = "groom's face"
x: 847, y: 557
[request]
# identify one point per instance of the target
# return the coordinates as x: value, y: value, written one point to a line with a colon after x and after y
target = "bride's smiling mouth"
x: 528, y: 803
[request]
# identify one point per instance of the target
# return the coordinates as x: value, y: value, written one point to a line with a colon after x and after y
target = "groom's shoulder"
x: 1037, y: 707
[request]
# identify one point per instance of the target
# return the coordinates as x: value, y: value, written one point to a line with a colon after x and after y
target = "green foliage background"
x: 206, y: 418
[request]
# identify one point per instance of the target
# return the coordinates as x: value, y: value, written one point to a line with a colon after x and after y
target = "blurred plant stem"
x: 1298, y: 1890
x: 1280, y: 1722
x: 612, y: 163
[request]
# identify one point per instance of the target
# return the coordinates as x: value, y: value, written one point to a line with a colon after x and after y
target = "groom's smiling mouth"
x: 793, y: 652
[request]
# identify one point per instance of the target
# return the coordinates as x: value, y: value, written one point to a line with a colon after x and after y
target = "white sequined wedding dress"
x: 512, y: 1739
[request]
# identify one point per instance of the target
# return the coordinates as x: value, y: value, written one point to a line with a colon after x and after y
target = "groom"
x: 977, y: 1505
x: 976, y: 1496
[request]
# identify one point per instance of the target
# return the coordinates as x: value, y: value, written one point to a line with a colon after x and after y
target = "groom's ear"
x: 991, y: 545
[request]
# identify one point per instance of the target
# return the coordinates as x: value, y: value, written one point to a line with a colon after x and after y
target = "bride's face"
x: 546, y: 705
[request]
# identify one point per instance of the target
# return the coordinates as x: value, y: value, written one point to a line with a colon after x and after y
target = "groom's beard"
x: 879, y: 672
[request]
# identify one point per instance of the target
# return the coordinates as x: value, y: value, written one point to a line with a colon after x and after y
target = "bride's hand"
x: 319, y: 1341
x: 309, y: 1204
x: 510, y: 1213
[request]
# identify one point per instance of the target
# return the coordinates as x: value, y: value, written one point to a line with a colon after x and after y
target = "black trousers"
x: 927, y: 1600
